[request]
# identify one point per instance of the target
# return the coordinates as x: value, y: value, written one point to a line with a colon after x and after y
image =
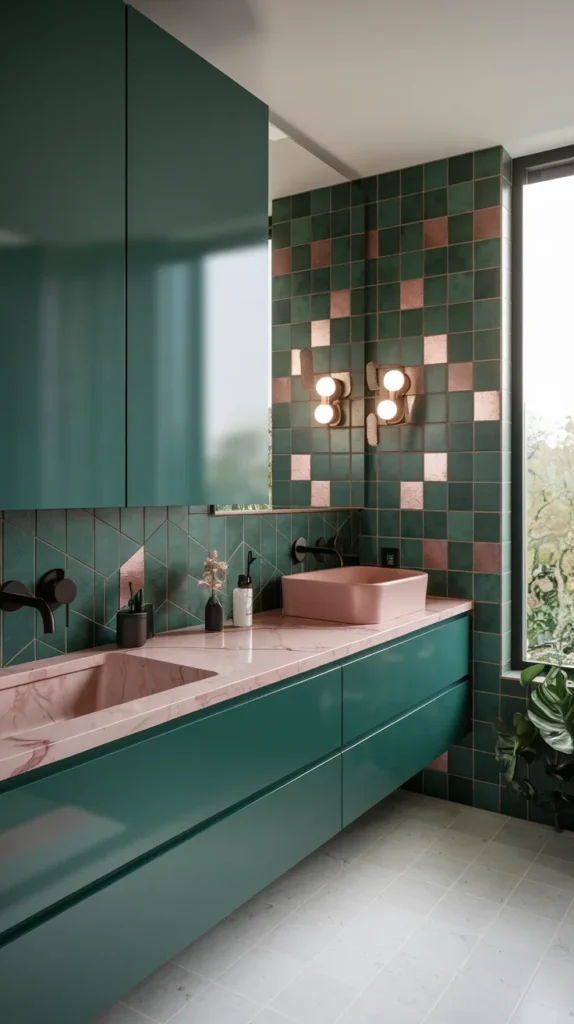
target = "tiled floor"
x: 421, y: 911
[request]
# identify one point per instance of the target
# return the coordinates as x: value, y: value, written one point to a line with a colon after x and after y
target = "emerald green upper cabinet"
x: 62, y: 231
x: 197, y: 278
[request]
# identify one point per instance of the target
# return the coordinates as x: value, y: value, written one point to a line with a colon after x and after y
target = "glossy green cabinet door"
x: 197, y: 278
x: 62, y: 231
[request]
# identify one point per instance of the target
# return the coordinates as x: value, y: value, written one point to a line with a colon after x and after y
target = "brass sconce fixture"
x: 330, y: 388
x: 391, y: 384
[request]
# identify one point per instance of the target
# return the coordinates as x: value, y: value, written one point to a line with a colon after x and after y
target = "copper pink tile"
x: 440, y: 764
x: 296, y: 362
x: 321, y: 253
x: 435, y: 232
x: 416, y: 377
x: 412, y: 293
x: 320, y: 493
x: 281, y: 389
x: 487, y: 223
x: 460, y: 376
x: 132, y: 572
x: 341, y: 303
x: 435, y: 554
x: 436, y: 467
x: 372, y: 245
x: 320, y: 333
x: 300, y: 467
x: 281, y: 261
x: 486, y: 557
x: 435, y: 348
x: 411, y: 494
x: 487, y: 405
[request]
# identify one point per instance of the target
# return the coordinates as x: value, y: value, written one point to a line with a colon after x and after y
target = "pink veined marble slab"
x: 61, y: 706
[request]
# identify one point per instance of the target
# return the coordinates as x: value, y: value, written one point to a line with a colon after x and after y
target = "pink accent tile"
x: 296, y: 362
x: 320, y: 493
x: 435, y: 232
x: 320, y: 333
x: 460, y: 376
x: 435, y: 466
x: 435, y: 554
x: 411, y: 494
x: 321, y: 253
x: 412, y: 293
x: 132, y: 572
x: 416, y: 377
x: 487, y: 405
x: 440, y: 764
x: 341, y: 303
x: 486, y: 557
x: 281, y: 389
x: 435, y: 348
x: 281, y: 261
x: 487, y: 223
x: 300, y: 467
x: 372, y: 245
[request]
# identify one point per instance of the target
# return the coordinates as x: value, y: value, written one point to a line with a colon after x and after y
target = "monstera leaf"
x: 552, y: 711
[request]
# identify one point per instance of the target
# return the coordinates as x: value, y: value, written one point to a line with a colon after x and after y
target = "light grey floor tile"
x: 314, y: 998
x: 120, y: 1014
x: 560, y: 845
x: 426, y: 808
x: 261, y: 974
x: 440, y: 944
x: 524, y: 834
x: 478, y: 823
x: 469, y: 913
x: 363, y: 882
x: 532, y: 1012
x: 437, y: 867
x: 459, y: 845
x: 411, y: 982
x: 562, y: 946
x: 393, y: 854
x: 553, y: 871
x: 528, y: 935
x: 356, y: 963
x: 256, y: 918
x: 331, y: 905
x: 371, y: 1008
x: 409, y: 893
x: 302, y: 937
x: 544, y: 900
x: 478, y: 880
x: 472, y: 1000
x: 214, y: 952
x: 268, y: 1016
x: 165, y: 992
x: 217, y: 1005
x: 553, y: 985
x: 502, y: 857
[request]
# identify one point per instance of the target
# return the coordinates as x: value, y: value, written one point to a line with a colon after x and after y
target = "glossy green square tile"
x: 460, y: 406
x: 435, y: 525
x: 460, y: 198
x: 486, y: 796
x: 461, y: 791
x: 80, y: 537
x: 389, y: 296
x: 357, y: 220
x: 435, y: 407
x: 301, y: 308
x: 435, y: 174
x: 435, y: 378
x: 487, y: 617
x: 301, y: 231
x: 435, y: 261
x: 486, y: 769
x: 435, y: 437
x: 460, y: 436
x: 281, y: 311
x: 341, y: 331
x: 389, y: 494
x: 459, y: 584
x: 460, y: 257
x: 411, y: 466
x: 460, y: 556
x: 487, y: 345
x: 460, y: 228
x: 389, y: 466
x: 300, y: 414
x: 411, y: 524
x: 320, y: 226
x: 281, y: 362
x: 412, y: 351
x: 318, y: 308
x: 460, y: 466
x: 321, y: 359
x: 460, y: 526
x: 460, y: 317
x: 281, y: 465
x: 300, y: 257
x: 460, y: 168
x: 487, y: 436
x: 460, y: 762
x: 435, y: 320
x: 487, y: 253
x: 487, y: 497
x: 301, y: 439
x: 411, y: 322
x: 340, y: 467
x: 320, y: 280
x: 370, y: 213
x: 460, y: 287
x: 487, y: 527
x: 389, y: 241
x: 341, y: 223
x: 487, y: 647
x: 411, y: 437
x: 487, y: 162
x: 281, y: 235
x: 356, y: 247
x: 487, y: 314
x: 281, y: 209
x: 341, y: 276
x: 411, y: 237
x: 389, y: 325
x: 281, y: 337
x: 388, y: 523
x: 341, y: 250
x: 389, y: 213
x: 389, y: 269
x: 301, y: 204
x: 435, y: 203
x: 301, y: 332
x: 340, y: 195
x: 460, y: 497
x: 487, y: 466
x: 411, y: 208
x: 460, y: 347
x: 487, y: 192
x: 435, y: 290
x: 340, y: 493
x: 487, y: 283
x: 340, y: 358
x: 281, y: 286
x: 411, y: 554
x: 411, y: 180
x: 435, y: 495
x: 358, y: 301
x: 411, y: 265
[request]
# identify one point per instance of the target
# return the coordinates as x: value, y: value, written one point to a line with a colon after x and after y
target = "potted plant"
x: 537, y: 753
x: 214, y: 574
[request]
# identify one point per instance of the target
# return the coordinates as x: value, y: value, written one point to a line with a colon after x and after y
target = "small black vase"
x: 213, y: 615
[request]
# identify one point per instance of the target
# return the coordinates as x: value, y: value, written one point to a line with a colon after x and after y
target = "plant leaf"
x: 529, y: 674
x: 552, y: 712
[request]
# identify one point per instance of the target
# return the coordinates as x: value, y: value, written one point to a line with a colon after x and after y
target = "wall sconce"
x: 330, y: 388
x: 391, y: 383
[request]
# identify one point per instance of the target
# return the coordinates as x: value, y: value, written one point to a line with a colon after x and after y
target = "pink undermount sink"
x: 356, y: 594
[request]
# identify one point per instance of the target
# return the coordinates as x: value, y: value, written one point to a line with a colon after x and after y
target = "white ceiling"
x: 370, y: 85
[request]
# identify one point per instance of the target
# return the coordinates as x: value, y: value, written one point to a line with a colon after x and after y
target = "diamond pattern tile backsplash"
x: 93, y: 545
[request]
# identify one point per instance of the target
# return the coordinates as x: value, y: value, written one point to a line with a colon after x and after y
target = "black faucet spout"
x: 15, y: 595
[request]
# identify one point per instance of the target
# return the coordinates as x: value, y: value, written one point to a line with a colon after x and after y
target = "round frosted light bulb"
x: 394, y: 380
x: 325, y: 387
x: 324, y: 414
x: 387, y: 409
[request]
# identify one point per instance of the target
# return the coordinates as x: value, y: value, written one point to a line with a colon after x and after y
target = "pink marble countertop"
x: 41, y: 724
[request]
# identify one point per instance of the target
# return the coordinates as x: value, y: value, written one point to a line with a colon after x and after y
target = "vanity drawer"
x: 383, y: 684
x: 78, y: 823
x: 72, y: 965
x: 378, y: 765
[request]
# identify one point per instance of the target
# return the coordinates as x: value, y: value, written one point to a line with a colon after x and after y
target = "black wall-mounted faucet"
x: 15, y: 595
x: 323, y: 547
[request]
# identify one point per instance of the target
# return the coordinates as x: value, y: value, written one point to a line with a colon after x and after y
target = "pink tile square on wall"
x: 487, y: 405
x: 411, y: 494
x: 435, y: 466
x: 412, y: 293
x: 434, y: 348
x: 486, y: 557
x: 281, y: 389
x: 487, y: 223
x: 132, y: 572
x: 281, y: 261
x: 372, y: 245
x: 435, y: 232
x: 341, y: 303
x: 460, y: 377
x: 416, y: 377
x: 435, y: 554
x: 300, y: 467
x: 440, y: 764
x: 296, y: 362
x: 321, y: 253
x: 320, y: 493
x: 320, y: 333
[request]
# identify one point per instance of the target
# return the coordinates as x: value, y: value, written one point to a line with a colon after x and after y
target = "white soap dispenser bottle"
x: 243, y: 597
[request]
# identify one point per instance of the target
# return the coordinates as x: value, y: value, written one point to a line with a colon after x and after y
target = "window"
x: 543, y: 430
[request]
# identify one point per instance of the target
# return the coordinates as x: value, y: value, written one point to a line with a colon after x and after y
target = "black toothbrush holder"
x: 132, y: 622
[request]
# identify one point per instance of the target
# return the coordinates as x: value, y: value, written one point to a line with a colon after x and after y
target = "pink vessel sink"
x: 358, y: 595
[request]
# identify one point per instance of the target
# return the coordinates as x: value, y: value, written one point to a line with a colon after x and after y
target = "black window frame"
x: 553, y: 163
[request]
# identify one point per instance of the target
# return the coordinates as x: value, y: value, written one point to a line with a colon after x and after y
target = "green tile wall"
x: 92, y: 544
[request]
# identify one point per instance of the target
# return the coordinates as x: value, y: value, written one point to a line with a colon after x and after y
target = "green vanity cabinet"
x: 62, y: 229
x: 197, y: 278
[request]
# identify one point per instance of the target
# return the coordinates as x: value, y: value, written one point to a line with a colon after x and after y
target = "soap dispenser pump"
x: 243, y: 596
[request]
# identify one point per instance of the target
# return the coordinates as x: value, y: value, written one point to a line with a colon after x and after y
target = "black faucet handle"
x: 11, y: 591
x: 56, y: 589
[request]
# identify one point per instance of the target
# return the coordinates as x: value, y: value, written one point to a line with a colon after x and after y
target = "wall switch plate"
x: 390, y: 558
